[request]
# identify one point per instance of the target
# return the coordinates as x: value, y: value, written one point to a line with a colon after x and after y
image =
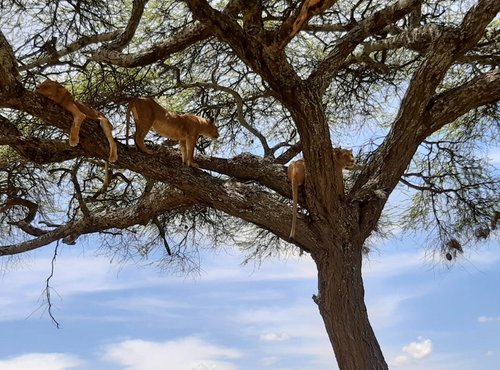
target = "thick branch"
x: 36, y: 150
x: 451, y: 104
x: 160, y: 51
x: 413, y: 123
x: 174, y: 44
x: 8, y: 67
x: 327, y: 69
x: 247, y: 167
x: 266, y: 60
x: 154, y: 205
x: 74, y: 46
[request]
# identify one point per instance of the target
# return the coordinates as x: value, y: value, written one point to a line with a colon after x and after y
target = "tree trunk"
x: 342, y: 307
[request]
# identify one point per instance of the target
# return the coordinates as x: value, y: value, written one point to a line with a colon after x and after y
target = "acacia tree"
x: 416, y: 79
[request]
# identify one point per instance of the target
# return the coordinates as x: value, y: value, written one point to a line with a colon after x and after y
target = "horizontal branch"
x: 174, y: 44
x: 417, y: 39
x: 41, y: 151
x: 247, y: 167
x: 79, y: 44
x: 156, y: 203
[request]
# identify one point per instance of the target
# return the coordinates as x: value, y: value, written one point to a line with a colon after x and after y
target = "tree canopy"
x: 411, y: 86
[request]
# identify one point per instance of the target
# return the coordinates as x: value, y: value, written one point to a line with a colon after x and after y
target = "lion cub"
x: 186, y: 128
x: 342, y: 158
x: 80, y: 111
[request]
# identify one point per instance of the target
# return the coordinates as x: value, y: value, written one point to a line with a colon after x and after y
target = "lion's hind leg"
x: 190, y: 144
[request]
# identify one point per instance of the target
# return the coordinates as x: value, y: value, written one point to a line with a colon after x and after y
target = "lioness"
x: 342, y: 158
x: 80, y: 111
x: 186, y: 128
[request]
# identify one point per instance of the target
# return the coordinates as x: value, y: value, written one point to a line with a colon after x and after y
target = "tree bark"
x: 341, y: 305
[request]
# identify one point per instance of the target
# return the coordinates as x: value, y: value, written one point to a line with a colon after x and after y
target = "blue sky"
x: 232, y: 317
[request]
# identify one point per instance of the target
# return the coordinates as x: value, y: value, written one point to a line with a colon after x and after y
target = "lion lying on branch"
x: 80, y: 111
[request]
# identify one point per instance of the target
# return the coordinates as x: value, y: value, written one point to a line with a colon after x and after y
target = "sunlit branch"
x: 451, y: 104
x: 417, y: 39
x: 175, y: 43
x: 327, y: 69
x: 77, y: 45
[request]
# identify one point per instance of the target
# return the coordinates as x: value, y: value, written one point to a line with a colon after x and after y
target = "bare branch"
x: 290, y: 153
x: 78, y: 190
x: 48, y: 288
x: 161, y: 231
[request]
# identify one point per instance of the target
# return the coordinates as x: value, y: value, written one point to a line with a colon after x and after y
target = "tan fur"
x: 80, y: 111
x: 342, y: 158
x: 186, y: 128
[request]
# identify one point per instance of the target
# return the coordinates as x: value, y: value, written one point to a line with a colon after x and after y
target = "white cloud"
x: 274, y: 337
x: 191, y: 353
x: 401, y: 360
x: 483, y: 319
x: 419, y: 349
x: 489, y: 353
x: 414, y: 351
x: 41, y: 361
